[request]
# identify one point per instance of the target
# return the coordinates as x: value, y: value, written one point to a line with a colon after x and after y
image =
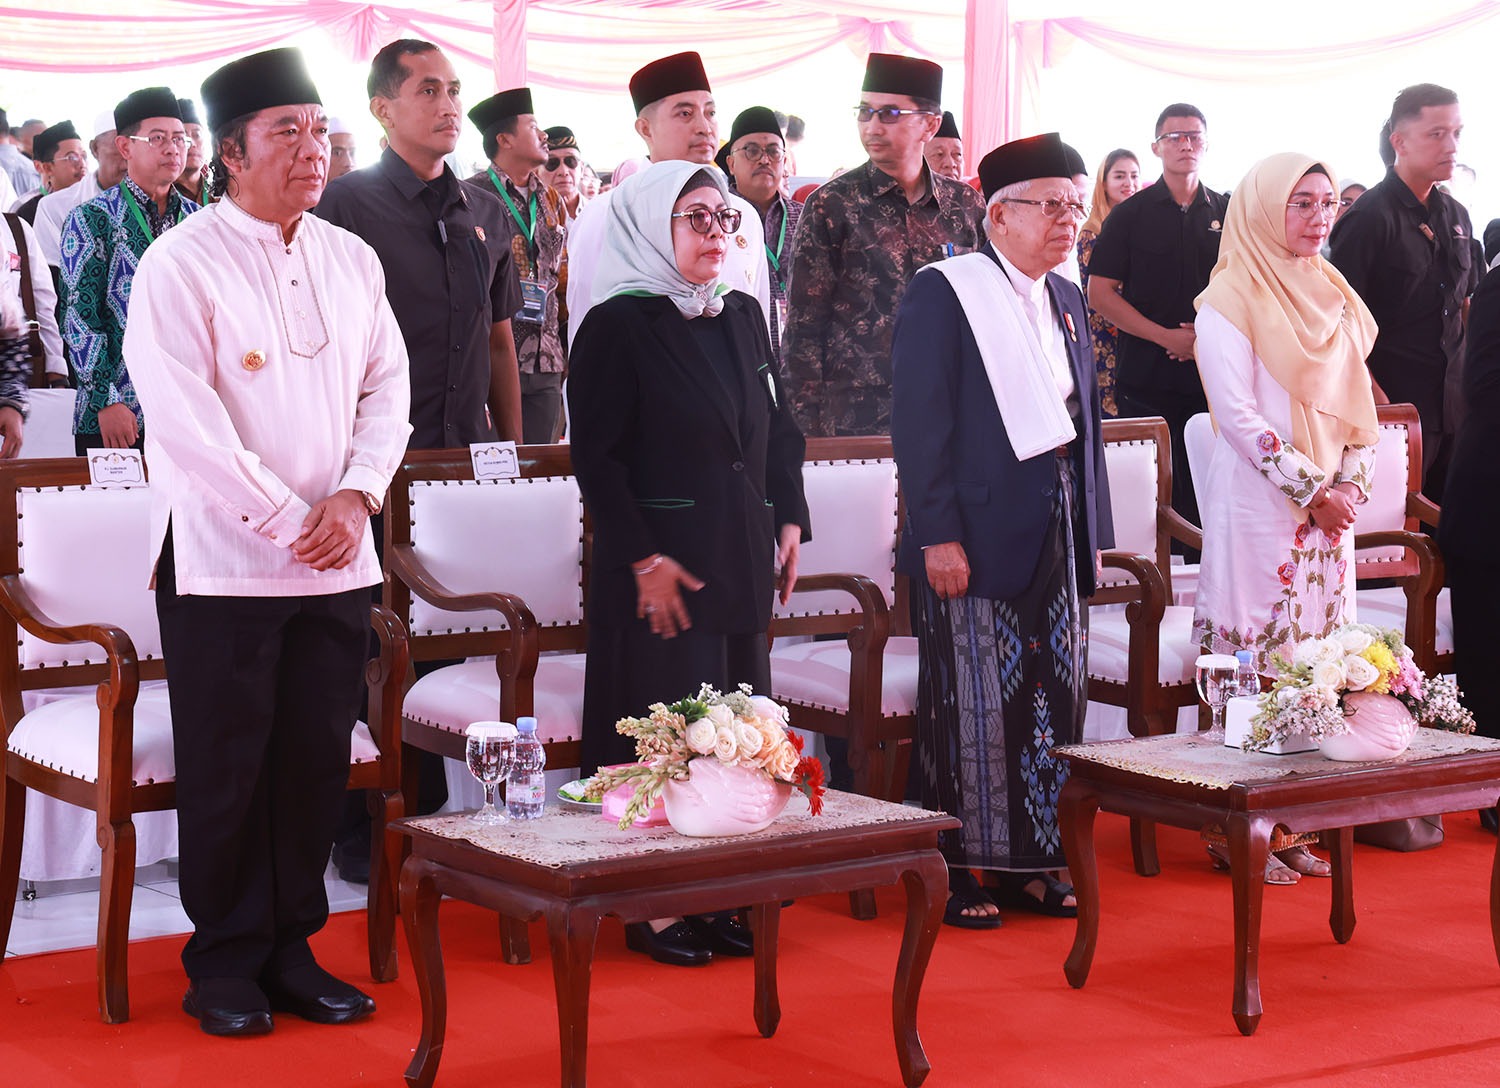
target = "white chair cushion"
x: 49, y: 423
x: 853, y: 510
x: 63, y: 734
x: 453, y: 697
x: 1109, y: 646
x: 1386, y: 508
x: 521, y: 536
x: 74, y: 579
x: 817, y: 674
x: 1132, y: 496
x: 1387, y: 608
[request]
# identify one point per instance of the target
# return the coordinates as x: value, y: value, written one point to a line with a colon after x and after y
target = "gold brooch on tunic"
x: 739, y: 240
x: 255, y: 359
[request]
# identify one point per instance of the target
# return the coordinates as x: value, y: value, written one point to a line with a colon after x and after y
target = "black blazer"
x: 665, y: 465
x: 1471, y: 517
x: 959, y: 475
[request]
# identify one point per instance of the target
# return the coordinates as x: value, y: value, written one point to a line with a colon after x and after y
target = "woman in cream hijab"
x: 1282, y: 341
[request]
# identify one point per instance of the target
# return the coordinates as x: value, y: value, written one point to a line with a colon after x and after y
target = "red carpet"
x: 1412, y: 1000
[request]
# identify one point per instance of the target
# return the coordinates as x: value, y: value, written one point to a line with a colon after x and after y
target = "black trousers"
x: 82, y: 443
x: 541, y: 407
x: 1475, y: 589
x: 264, y: 693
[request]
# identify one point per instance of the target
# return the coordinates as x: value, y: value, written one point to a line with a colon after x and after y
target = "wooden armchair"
x: 861, y: 684
x: 78, y: 613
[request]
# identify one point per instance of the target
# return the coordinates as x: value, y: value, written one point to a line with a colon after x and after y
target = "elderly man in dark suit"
x: 997, y: 435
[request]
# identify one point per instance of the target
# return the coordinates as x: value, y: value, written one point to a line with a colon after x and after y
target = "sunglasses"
x: 570, y: 161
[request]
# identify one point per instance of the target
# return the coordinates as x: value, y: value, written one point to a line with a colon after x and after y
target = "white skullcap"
x: 104, y: 122
x: 336, y: 127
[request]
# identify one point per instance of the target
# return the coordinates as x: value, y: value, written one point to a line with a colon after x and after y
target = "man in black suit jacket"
x: 996, y: 429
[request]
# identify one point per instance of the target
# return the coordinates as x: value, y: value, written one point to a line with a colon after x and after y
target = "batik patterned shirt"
x: 859, y: 243
x: 539, y: 348
x: 783, y: 216
x: 102, y: 244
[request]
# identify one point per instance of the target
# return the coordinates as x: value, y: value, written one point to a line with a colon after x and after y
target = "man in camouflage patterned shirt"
x: 862, y: 237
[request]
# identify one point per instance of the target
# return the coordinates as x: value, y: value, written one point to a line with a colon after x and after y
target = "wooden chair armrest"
x: 1422, y: 508
x: 1179, y: 528
x: 874, y: 628
x: 1152, y: 605
x: 1421, y: 590
x: 19, y: 604
x: 385, y: 675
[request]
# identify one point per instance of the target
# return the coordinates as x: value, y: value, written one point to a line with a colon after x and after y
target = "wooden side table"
x: 1193, y: 781
x: 573, y: 868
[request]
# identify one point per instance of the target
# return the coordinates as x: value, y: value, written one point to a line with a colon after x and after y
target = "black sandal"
x: 960, y: 901
x: 1010, y: 890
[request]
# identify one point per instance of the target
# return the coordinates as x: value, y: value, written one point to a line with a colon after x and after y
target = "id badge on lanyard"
x: 533, y: 301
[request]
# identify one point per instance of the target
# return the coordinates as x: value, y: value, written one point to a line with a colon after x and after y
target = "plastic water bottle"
x: 1247, y: 680
x: 526, y: 787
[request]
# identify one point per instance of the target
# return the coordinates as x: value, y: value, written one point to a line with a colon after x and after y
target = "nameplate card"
x: 495, y: 460
x: 116, y: 468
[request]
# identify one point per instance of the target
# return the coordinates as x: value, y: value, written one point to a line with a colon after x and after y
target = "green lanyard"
x: 775, y: 258
x: 528, y: 230
x: 141, y: 219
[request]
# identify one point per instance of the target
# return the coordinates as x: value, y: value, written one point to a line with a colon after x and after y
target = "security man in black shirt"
x: 1407, y: 248
x: 1150, y: 262
x: 444, y: 247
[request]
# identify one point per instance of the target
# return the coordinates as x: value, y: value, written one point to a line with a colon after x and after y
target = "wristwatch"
x: 372, y: 503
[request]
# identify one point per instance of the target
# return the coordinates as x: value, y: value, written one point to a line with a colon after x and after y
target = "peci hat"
x: 1076, y: 165
x: 1044, y: 156
x: 560, y: 137
x: 755, y: 119
x: 189, y: 110
x: 273, y: 77
x: 46, y: 142
x: 669, y: 75
x: 103, y: 122
x: 948, y: 130
x: 488, y: 115
x: 136, y: 106
x: 891, y: 73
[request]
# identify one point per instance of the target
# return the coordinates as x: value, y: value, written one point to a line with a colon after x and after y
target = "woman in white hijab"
x: 1282, y: 342
x: 690, y: 464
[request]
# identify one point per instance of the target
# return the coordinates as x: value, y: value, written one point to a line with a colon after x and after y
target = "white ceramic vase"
x: 718, y: 799
x: 1380, y: 727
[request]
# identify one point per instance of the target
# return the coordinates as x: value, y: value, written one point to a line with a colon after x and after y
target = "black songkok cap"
x: 948, y: 130
x: 45, y: 145
x: 489, y: 114
x: 670, y: 75
x: 274, y: 77
x: 560, y: 137
x: 755, y: 119
x: 1044, y: 156
x: 189, y: 110
x: 721, y: 158
x: 136, y: 106
x: 890, y: 73
x: 1076, y: 165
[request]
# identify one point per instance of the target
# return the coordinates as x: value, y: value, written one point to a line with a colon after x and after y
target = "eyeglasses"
x: 702, y: 220
x: 888, y: 115
x: 159, y: 140
x: 72, y: 156
x: 1308, y: 208
x: 1196, y: 139
x: 554, y: 161
x: 1052, y: 209
x: 754, y: 152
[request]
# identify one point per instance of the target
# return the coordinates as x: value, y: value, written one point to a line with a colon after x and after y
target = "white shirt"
x: 744, y: 269
x: 1036, y: 300
x: 275, y: 375
x: 43, y: 291
x: 52, y: 211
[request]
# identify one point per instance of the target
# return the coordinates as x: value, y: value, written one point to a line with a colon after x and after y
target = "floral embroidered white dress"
x: 1269, y: 576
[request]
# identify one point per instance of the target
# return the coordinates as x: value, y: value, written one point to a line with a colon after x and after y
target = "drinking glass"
x: 490, y: 748
x: 1217, y: 676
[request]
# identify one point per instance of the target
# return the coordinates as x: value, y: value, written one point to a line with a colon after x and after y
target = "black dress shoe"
x: 313, y: 994
x: 724, y: 933
x: 352, y: 863
x: 676, y: 946
x: 228, y: 1006
x: 1489, y: 819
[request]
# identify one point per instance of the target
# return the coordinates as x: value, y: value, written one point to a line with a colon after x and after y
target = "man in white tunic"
x: 52, y: 210
x: 677, y: 118
x: 262, y: 343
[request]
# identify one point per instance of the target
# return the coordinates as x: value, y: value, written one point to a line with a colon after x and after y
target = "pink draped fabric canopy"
x: 539, y: 42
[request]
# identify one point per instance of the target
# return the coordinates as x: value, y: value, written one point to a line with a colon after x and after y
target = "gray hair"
x: 1008, y: 192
